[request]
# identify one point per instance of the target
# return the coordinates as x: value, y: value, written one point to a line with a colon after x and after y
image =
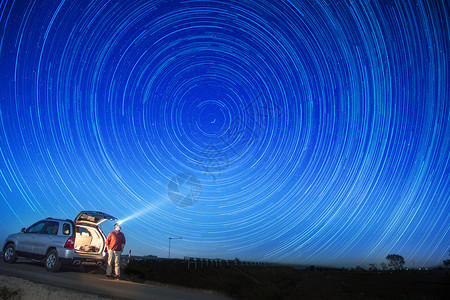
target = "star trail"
x: 309, y: 132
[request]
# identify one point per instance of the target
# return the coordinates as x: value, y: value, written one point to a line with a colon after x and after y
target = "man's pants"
x: 113, y: 258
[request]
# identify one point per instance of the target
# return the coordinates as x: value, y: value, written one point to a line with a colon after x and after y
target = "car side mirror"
x: 24, y: 230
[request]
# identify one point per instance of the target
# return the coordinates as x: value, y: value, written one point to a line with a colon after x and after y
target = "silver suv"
x: 61, y: 242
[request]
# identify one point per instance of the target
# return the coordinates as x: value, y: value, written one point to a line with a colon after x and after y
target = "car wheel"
x: 52, y: 262
x: 9, y: 255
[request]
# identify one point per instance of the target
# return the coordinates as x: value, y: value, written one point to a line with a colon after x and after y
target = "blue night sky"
x: 309, y: 132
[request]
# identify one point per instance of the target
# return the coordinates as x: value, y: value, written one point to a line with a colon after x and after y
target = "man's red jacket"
x: 115, y: 241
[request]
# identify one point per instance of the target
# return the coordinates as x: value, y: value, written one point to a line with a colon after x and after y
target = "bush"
x: 7, y: 294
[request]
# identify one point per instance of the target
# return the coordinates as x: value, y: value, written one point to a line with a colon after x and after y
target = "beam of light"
x: 142, y: 212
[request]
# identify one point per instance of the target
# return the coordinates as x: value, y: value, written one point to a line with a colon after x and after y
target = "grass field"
x: 284, y: 282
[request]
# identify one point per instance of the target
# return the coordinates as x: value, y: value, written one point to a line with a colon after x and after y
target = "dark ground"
x: 283, y: 282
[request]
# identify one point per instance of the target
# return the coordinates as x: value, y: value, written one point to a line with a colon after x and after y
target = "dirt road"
x: 97, y: 284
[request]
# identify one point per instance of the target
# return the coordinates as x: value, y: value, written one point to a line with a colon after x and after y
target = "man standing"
x: 114, y: 244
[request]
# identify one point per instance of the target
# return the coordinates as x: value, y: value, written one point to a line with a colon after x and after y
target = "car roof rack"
x: 50, y: 218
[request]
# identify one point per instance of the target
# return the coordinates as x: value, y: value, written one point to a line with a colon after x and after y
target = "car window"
x: 36, y: 228
x: 66, y: 229
x: 51, y: 228
x: 83, y: 231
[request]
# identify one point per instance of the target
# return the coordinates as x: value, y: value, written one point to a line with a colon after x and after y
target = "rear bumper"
x: 70, y: 257
x: 83, y: 261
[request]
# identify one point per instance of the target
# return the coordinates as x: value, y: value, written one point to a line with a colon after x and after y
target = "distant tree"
x: 373, y: 267
x: 383, y: 266
x: 395, y: 261
x: 359, y: 268
x: 447, y: 261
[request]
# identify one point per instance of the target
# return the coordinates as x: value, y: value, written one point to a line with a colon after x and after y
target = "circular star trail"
x: 290, y: 131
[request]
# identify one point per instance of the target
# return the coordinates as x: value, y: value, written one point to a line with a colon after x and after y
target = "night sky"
x: 307, y: 132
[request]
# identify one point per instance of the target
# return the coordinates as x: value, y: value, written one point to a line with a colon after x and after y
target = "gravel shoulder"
x: 17, y: 288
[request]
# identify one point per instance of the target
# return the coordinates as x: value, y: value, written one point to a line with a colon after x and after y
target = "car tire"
x: 9, y: 254
x: 52, y: 262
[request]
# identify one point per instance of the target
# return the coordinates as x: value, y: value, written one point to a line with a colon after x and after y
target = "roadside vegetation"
x: 7, y: 294
x: 285, y: 282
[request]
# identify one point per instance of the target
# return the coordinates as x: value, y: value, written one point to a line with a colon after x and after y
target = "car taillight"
x: 70, y: 243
